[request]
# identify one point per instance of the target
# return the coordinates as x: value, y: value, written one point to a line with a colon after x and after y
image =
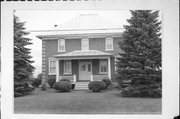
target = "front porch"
x: 84, y: 66
x: 83, y: 70
x: 73, y: 78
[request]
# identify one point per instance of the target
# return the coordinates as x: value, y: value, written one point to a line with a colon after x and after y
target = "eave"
x: 100, y: 33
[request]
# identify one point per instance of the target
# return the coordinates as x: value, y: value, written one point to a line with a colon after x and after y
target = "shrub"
x: 22, y: 89
x: 155, y: 92
x: 96, y: 86
x: 36, y: 82
x: 51, y: 82
x: 43, y: 86
x: 66, y: 80
x: 141, y: 91
x: 115, y: 85
x: 62, y: 86
x: 107, y: 81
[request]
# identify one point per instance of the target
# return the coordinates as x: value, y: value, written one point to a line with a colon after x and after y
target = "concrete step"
x: 81, y: 82
x: 81, y: 86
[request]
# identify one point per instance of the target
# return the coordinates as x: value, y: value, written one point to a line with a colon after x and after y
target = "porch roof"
x: 78, y: 54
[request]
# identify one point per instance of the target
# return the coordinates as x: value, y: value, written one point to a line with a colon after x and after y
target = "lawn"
x: 84, y: 102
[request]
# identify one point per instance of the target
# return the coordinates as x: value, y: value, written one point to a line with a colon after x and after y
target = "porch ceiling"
x: 78, y: 54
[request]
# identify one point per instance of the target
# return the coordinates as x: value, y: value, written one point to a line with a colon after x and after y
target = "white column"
x: 109, y: 68
x: 57, y: 70
x: 74, y: 78
x: 91, y: 70
x: 91, y: 77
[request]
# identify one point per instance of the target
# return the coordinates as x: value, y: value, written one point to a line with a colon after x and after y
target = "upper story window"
x: 85, y: 44
x: 52, y: 66
x: 67, y: 67
x: 103, y: 66
x: 61, y: 45
x: 109, y: 43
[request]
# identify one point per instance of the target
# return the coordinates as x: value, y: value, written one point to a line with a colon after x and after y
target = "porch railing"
x: 72, y: 78
x: 99, y: 77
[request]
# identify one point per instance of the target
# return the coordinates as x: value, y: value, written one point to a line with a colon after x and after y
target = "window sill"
x: 61, y: 51
x: 52, y: 74
x: 103, y: 73
x: 109, y: 49
x: 67, y: 74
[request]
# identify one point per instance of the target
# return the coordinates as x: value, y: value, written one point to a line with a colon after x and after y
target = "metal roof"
x: 88, y: 21
x: 84, y: 24
x: 80, y: 53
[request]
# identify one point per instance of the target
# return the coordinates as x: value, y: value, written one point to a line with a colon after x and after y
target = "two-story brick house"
x: 82, y: 50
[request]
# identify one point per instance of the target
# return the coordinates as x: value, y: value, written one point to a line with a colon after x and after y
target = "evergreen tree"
x: 139, y: 64
x: 39, y: 76
x: 22, y: 59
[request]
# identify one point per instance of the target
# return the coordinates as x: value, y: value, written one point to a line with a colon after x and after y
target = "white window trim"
x: 82, y: 44
x: 100, y: 67
x: 109, y: 38
x: 52, y: 59
x: 70, y: 66
x: 64, y: 45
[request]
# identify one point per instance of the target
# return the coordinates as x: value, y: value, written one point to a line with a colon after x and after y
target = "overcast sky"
x: 46, y: 19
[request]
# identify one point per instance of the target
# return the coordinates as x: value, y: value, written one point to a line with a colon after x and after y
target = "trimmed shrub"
x: 96, y: 86
x: 36, y: 82
x: 22, y: 89
x: 107, y: 81
x: 62, y: 86
x: 66, y: 80
x: 51, y: 82
x: 43, y: 86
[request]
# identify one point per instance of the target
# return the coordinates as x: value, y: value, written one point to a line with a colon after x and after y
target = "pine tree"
x: 22, y: 58
x: 139, y: 65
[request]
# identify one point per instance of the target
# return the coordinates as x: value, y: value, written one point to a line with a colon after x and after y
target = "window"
x: 109, y: 43
x: 89, y: 67
x: 103, y: 66
x: 52, y: 66
x: 85, y: 44
x: 67, y: 67
x: 61, y: 45
x: 83, y: 67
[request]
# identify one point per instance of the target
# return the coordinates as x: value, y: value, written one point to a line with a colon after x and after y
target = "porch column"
x: 91, y: 77
x: 109, y: 68
x: 57, y: 70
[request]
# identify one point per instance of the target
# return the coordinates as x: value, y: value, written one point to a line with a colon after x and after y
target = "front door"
x: 85, y: 68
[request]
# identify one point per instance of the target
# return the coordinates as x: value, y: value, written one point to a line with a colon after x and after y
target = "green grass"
x: 84, y: 102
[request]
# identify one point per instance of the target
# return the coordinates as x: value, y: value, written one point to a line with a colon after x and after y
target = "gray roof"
x: 84, y: 24
x: 88, y: 21
x: 81, y: 53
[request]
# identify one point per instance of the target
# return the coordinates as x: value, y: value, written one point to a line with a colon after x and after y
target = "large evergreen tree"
x: 139, y: 64
x: 22, y: 58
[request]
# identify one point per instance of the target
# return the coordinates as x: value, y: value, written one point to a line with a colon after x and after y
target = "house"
x: 82, y: 50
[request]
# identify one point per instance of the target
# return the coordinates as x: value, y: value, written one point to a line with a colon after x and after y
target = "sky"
x: 45, y: 20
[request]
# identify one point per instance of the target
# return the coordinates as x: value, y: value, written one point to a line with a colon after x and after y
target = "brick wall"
x: 50, y: 48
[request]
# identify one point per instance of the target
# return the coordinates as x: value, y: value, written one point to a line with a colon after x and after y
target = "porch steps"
x: 81, y: 86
